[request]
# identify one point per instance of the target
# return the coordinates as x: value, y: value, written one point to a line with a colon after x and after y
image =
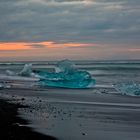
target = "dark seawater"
x: 105, y: 72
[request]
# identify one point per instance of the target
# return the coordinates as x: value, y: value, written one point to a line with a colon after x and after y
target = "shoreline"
x: 13, y: 127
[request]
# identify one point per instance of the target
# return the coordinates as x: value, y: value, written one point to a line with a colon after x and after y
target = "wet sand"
x: 79, y: 114
x: 13, y: 127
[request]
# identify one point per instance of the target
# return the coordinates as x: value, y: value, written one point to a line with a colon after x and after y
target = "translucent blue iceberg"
x: 129, y: 88
x: 66, y: 76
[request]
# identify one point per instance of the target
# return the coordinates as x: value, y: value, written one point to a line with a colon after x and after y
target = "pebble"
x: 84, y: 134
x: 22, y: 99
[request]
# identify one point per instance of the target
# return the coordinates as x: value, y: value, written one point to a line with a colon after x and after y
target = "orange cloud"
x: 13, y: 46
x: 7, y: 46
x: 65, y: 45
x: 77, y: 44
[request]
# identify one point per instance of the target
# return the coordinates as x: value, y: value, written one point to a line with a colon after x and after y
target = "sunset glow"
x: 13, y: 46
x: 9, y: 46
x: 134, y: 50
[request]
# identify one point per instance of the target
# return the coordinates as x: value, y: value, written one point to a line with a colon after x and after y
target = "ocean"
x: 105, y: 72
x: 79, y: 114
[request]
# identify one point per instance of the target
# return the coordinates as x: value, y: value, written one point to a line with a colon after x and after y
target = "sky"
x: 69, y: 29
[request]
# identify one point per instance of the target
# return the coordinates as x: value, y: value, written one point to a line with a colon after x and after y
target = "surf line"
x: 96, y: 103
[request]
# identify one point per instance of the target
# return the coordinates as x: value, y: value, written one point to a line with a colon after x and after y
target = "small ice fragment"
x: 4, y: 86
x: 10, y: 73
x: 129, y: 88
x: 26, y: 71
x: 1, y: 86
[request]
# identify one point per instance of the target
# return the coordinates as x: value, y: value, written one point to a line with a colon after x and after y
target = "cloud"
x: 57, y: 2
x: 105, y: 21
x: 37, y: 46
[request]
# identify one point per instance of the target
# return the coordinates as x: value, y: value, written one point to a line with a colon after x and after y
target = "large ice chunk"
x: 66, y: 76
x: 129, y: 88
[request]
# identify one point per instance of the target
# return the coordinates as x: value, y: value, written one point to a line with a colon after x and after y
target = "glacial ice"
x: 1, y: 86
x: 66, y: 76
x: 129, y: 88
x: 26, y: 71
x: 10, y: 73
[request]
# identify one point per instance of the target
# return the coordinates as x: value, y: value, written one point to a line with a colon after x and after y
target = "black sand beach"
x: 12, y: 127
x: 69, y: 115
